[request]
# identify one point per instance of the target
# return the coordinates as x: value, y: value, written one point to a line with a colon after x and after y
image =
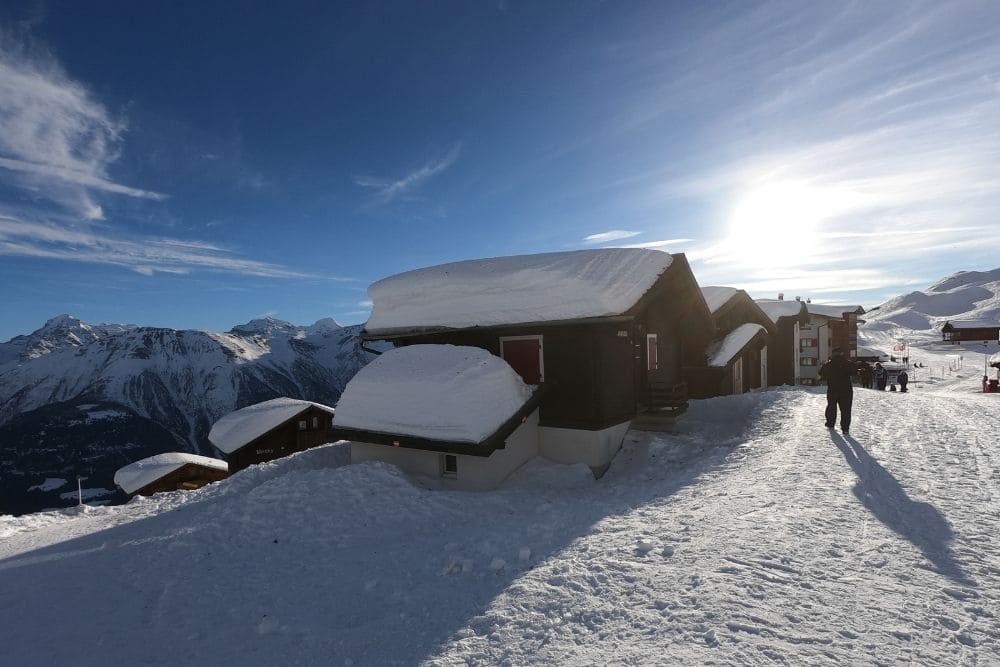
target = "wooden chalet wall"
x: 188, y: 476
x: 953, y: 334
x: 284, y: 439
x: 715, y: 381
x: 741, y: 309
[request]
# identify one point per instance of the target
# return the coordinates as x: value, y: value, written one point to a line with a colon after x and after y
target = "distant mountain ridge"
x: 176, y: 382
x: 966, y: 295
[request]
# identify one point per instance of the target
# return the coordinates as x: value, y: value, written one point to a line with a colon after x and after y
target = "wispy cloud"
x: 607, y: 237
x: 57, y: 141
x: 389, y: 190
x: 147, y: 255
x: 665, y: 243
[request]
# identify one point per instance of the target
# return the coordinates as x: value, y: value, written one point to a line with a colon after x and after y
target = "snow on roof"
x: 722, y: 352
x: 716, y: 297
x: 778, y: 308
x: 972, y: 324
x: 438, y: 392
x: 136, y: 475
x: 242, y: 426
x: 831, y: 311
x: 510, y: 290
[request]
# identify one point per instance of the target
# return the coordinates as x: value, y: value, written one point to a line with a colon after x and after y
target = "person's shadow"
x: 919, y: 523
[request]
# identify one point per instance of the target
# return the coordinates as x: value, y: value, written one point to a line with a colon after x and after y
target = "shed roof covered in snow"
x: 247, y: 424
x: 140, y: 474
x: 441, y: 393
x: 716, y: 297
x: 832, y: 311
x: 778, y: 308
x: 970, y: 324
x: 501, y: 291
x: 722, y: 352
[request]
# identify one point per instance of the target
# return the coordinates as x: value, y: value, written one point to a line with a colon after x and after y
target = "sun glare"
x: 776, y: 224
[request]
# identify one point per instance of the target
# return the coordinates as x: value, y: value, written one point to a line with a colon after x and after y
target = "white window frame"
x: 656, y: 346
x: 541, y: 351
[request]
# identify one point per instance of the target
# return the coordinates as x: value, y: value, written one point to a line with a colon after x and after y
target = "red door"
x: 525, y: 356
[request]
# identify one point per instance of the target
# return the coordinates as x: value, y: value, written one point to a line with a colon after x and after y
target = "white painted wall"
x: 475, y: 473
x: 568, y: 445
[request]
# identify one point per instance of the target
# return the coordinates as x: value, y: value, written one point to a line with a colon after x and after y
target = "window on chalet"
x: 315, y: 422
x: 302, y: 424
x: 449, y: 465
x: 807, y: 361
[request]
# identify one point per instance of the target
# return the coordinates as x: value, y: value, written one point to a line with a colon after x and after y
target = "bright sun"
x: 776, y: 223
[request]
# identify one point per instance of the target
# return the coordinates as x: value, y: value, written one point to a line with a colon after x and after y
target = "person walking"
x: 880, y: 376
x: 903, y: 379
x: 838, y: 373
x: 865, y: 371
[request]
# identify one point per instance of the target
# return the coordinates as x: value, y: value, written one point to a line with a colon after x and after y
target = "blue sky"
x: 196, y: 165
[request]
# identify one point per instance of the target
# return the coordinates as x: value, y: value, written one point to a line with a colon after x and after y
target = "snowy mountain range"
x: 966, y: 295
x: 82, y: 399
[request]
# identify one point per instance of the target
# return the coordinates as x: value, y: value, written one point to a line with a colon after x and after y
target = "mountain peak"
x: 262, y: 326
x: 325, y: 325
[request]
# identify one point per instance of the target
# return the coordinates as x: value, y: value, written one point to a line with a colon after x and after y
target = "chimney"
x: 798, y: 298
x: 808, y: 300
x: 781, y: 296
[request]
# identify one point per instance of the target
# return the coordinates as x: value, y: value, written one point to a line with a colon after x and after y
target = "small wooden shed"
x: 270, y: 430
x: 957, y: 331
x: 172, y: 471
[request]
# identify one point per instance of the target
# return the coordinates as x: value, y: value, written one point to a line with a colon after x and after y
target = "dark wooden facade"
x: 740, y: 309
x: 721, y: 381
x: 783, y: 352
x: 188, y: 477
x: 309, y: 428
x: 958, y: 332
x: 597, y: 371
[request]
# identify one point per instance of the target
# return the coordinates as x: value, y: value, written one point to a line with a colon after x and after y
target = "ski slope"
x: 750, y: 534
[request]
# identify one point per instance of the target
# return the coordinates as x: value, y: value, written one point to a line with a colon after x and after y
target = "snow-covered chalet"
x: 596, y: 336
x: 172, y: 471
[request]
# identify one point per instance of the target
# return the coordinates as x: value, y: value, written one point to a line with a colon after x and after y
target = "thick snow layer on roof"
x: 831, y: 311
x: 509, y: 290
x: 716, y: 297
x: 973, y: 324
x: 722, y: 352
x: 244, y: 425
x: 778, y: 308
x: 439, y: 392
x: 136, y: 475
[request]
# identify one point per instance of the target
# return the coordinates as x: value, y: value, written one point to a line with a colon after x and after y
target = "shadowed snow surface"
x: 749, y: 535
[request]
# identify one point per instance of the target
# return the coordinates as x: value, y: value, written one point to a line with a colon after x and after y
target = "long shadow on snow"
x: 382, y: 572
x: 919, y: 523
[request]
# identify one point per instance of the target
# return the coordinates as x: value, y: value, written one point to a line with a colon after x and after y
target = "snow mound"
x: 439, y: 392
x: 136, y: 475
x: 242, y: 426
x: 508, y: 290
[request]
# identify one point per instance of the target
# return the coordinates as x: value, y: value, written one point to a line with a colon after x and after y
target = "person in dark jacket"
x: 902, y: 379
x: 865, y: 371
x: 838, y: 373
x: 880, y: 377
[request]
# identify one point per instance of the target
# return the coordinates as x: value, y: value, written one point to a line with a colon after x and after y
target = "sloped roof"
x: 832, y: 311
x: 716, y: 297
x: 778, y: 308
x: 241, y: 427
x: 972, y: 324
x: 722, y: 352
x: 142, y: 473
x: 435, y: 392
x: 510, y: 290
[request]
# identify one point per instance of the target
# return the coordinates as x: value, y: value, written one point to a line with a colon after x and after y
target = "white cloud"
x: 57, y: 141
x: 146, y: 255
x: 389, y: 190
x: 665, y: 243
x: 607, y: 237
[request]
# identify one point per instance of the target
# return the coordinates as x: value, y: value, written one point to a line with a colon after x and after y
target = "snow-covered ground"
x: 750, y: 534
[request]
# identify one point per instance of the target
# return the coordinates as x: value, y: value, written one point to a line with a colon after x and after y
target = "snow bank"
x: 508, y: 290
x: 716, y: 297
x: 242, y: 426
x: 721, y: 353
x: 136, y: 475
x: 439, y: 392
